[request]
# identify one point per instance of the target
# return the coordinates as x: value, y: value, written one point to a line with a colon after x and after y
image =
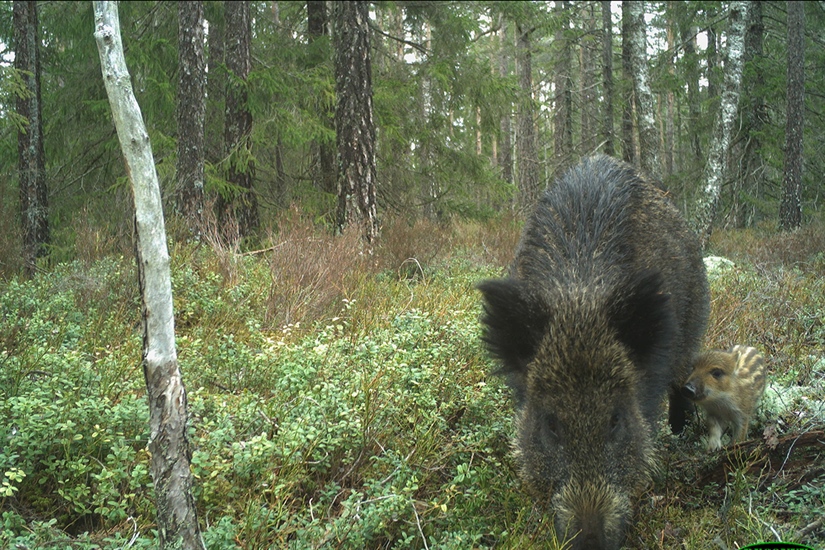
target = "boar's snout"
x: 689, y: 390
x: 590, y: 537
x: 592, y: 515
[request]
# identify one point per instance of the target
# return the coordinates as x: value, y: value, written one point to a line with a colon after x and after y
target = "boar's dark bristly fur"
x: 605, y: 305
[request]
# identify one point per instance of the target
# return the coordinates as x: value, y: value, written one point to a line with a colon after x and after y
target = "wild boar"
x: 728, y: 386
x: 605, y: 304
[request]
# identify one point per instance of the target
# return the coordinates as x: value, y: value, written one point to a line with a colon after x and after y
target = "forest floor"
x: 340, y: 399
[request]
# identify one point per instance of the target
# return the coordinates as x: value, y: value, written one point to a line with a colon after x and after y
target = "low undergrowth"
x: 341, y: 399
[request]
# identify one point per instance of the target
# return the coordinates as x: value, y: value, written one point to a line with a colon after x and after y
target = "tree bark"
x: 354, y: 121
x: 215, y: 82
x: 607, y: 77
x: 191, y: 113
x: 648, y: 136
x: 563, y: 115
x: 505, y: 152
x: 34, y: 199
x: 711, y: 58
x: 168, y: 444
x: 238, y: 209
x: 687, y: 32
x: 589, y: 100
x: 669, y: 98
x: 790, y: 209
x: 326, y: 177
x: 527, y: 163
x: 715, y: 168
x: 750, y: 179
x: 629, y: 100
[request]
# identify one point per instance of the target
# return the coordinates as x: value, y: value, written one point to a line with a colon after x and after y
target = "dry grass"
x: 311, y: 271
x: 766, y: 247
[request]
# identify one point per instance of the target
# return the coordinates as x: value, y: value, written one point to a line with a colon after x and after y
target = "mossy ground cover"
x: 343, y: 400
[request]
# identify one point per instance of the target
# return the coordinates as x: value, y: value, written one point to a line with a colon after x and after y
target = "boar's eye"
x: 717, y: 373
x: 615, y: 422
x: 551, y: 428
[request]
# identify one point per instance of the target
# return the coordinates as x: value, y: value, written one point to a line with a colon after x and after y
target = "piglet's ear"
x: 514, y: 321
x: 643, y: 317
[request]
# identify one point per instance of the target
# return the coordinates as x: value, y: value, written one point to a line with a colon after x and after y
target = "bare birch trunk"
x: 177, y: 518
x: 716, y: 166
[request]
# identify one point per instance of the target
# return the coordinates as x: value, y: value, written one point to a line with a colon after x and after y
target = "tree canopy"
x: 453, y: 104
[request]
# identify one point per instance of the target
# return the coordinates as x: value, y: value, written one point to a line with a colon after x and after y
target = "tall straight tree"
x: 215, y: 81
x: 191, y: 111
x: 790, y: 209
x: 685, y: 14
x: 354, y: 121
x: 750, y: 179
x: 628, y: 97
x: 326, y: 177
x: 527, y: 168
x: 563, y: 114
x: 589, y: 102
x: 238, y: 208
x: 177, y: 519
x: 637, y: 43
x: 607, y: 77
x: 505, y: 151
x: 31, y: 158
x: 669, y: 95
x: 715, y: 168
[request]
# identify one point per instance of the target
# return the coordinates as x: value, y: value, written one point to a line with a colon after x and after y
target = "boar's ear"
x: 643, y: 317
x: 513, y: 322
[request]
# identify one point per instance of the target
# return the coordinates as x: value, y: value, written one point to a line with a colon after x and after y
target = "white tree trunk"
x: 715, y: 168
x: 177, y: 520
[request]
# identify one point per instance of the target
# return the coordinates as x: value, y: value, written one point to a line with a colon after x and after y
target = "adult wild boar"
x: 604, y: 307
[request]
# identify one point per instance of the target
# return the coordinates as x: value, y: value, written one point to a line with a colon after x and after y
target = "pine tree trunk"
x: 215, y: 82
x: 354, y: 121
x: 589, y: 116
x: 648, y: 136
x: 790, y: 209
x: 628, y: 132
x: 505, y: 153
x: 563, y: 115
x: 748, y: 182
x: 238, y: 209
x: 686, y: 15
x: 177, y: 518
x: 527, y: 165
x: 326, y: 177
x: 428, y: 187
x: 34, y: 206
x: 669, y: 98
x: 715, y: 168
x: 607, y: 77
x: 191, y: 112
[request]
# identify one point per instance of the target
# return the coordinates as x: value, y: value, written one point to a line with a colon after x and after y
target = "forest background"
x: 477, y: 106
